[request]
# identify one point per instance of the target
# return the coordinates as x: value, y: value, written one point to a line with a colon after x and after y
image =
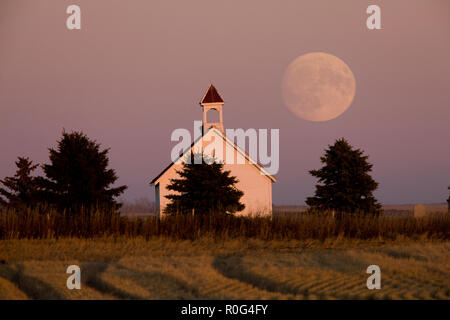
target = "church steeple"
x: 212, y: 101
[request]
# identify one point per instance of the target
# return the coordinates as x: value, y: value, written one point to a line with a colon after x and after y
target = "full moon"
x: 318, y: 86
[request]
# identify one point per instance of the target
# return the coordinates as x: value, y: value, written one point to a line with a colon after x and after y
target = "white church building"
x: 254, y: 181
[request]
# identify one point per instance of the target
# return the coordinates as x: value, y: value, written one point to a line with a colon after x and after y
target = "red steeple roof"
x: 212, y: 96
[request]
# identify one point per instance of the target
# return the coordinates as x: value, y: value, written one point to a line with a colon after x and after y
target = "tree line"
x: 77, y: 176
x: 345, y: 185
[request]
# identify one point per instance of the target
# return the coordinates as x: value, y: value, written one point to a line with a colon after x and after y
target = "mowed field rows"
x: 138, y: 269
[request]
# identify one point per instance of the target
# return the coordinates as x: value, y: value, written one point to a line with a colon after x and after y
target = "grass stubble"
x: 308, y: 257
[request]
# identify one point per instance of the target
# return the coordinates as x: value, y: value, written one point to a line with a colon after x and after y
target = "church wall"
x: 256, y: 187
x: 163, y: 182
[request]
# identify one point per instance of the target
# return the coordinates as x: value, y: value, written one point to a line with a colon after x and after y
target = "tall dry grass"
x: 31, y: 224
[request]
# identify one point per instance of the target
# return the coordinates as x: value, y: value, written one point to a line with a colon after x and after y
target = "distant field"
x: 432, y: 207
x: 394, y: 210
x: 233, y: 269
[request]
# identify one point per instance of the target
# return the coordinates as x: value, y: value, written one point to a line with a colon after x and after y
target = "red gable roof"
x: 212, y: 96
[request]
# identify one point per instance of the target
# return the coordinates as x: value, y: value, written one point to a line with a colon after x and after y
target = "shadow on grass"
x: 233, y: 267
x: 34, y: 288
x: 93, y: 278
x: 174, y: 287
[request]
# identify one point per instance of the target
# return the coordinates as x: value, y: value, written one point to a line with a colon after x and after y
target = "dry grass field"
x: 133, y: 268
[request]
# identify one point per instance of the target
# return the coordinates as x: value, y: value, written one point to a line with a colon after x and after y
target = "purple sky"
x: 138, y: 68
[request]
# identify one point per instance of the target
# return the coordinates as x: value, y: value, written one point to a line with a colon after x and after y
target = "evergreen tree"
x: 21, y: 190
x: 345, y: 183
x: 78, y: 175
x: 204, y: 188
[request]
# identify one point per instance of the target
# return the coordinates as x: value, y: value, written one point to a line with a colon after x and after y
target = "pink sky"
x: 137, y: 70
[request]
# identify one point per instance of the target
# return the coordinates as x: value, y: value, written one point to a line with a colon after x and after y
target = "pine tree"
x: 21, y: 190
x: 345, y: 184
x: 204, y: 188
x: 78, y: 175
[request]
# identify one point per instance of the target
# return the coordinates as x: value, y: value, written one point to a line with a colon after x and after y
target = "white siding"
x: 256, y: 186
